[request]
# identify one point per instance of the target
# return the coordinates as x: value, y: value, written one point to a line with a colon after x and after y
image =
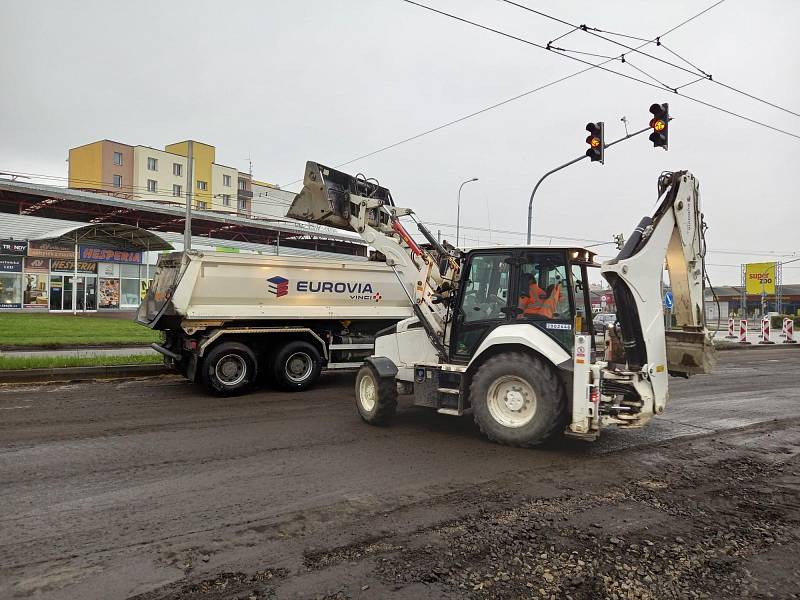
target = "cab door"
x: 484, y: 301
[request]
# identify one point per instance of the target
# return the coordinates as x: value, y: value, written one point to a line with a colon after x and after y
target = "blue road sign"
x: 668, y: 300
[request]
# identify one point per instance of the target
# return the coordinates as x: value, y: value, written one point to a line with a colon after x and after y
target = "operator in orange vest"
x: 537, y: 301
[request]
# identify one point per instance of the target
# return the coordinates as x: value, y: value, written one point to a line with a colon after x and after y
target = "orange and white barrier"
x: 788, y: 326
x: 765, y: 331
x: 731, y: 335
x: 743, y: 331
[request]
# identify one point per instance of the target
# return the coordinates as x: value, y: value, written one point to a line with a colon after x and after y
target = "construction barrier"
x: 731, y: 335
x: 765, y: 331
x: 783, y: 327
x: 743, y: 331
x: 788, y: 325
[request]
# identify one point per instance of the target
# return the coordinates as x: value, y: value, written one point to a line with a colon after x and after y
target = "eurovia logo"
x: 278, y: 285
x: 355, y: 290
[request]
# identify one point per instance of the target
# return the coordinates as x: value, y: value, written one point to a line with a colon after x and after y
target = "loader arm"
x: 330, y: 197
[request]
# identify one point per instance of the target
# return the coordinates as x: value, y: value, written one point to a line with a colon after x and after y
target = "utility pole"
x: 187, y: 230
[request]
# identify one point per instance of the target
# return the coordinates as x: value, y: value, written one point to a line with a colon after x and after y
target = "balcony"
x: 245, y: 193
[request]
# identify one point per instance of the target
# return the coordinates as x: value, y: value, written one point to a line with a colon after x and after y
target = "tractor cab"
x: 546, y: 288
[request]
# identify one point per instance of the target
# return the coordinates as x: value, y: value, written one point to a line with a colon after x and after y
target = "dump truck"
x: 229, y: 320
x: 505, y: 333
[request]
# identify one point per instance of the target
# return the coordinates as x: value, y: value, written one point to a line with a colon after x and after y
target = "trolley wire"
x: 596, y: 32
x: 503, y: 102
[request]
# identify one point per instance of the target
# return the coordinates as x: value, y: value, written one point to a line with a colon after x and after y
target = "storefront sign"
x: 108, y: 270
x: 760, y: 277
x: 68, y: 266
x: 10, y: 265
x: 37, y: 265
x: 110, y: 255
x: 50, y: 250
x: 13, y: 247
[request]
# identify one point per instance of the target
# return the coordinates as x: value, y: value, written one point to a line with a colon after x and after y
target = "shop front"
x: 112, y: 271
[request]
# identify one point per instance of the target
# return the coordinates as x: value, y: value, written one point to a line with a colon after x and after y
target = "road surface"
x: 150, y: 489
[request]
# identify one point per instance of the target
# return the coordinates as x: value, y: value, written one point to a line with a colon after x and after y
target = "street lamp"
x: 458, y: 210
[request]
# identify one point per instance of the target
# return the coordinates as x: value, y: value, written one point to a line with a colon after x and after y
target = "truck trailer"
x: 229, y: 320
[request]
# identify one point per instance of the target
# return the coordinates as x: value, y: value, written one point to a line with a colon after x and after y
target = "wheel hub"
x: 299, y: 367
x: 231, y: 369
x: 367, y: 393
x: 514, y: 400
x: 511, y: 401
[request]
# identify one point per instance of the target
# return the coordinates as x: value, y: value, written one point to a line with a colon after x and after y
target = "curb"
x: 82, y: 373
x: 754, y: 346
x: 42, y: 347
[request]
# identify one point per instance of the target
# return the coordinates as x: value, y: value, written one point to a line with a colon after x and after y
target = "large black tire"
x: 296, y: 366
x: 518, y: 400
x: 229, y: 369
x: 376, y: 397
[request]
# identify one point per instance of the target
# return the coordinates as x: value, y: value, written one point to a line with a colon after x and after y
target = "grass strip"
x: 29, y: 329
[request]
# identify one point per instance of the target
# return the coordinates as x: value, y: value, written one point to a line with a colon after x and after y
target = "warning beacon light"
x: 660, y: 125
x: 596, y: 141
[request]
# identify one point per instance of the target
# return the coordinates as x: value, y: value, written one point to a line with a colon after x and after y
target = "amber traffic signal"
x: 660, y: 125
x: 596, y: 141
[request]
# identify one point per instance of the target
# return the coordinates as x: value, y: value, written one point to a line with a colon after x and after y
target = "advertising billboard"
x: 756, y: 274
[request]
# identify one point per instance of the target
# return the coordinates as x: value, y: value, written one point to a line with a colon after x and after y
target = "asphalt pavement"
x: 149, y: 487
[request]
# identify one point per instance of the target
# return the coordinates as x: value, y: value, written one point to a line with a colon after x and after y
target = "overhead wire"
x: 502, y: 102
x: 596, y: 32
x: 603, y: 68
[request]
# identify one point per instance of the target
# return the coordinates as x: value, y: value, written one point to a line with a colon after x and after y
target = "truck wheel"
x: 376, y: 397
x: 229, y: 369
x: 296, y: 366
x: 517, y: 400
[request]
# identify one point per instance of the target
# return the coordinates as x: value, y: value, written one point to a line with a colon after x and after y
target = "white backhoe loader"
x: 506, y: 332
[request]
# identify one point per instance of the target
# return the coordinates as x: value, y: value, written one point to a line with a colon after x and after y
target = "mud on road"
x: 149, y: 489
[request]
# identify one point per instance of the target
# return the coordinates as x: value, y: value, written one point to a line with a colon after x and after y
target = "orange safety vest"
x: 537, y: 302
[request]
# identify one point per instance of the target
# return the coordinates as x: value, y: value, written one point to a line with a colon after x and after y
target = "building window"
x: 242, y: 184
x: 117, y: 181
x: 226, y: 199
x: 117, y: 158
x: 201, y: 205
x: 177, y: 169
x: 176, y: 190
x: 242, y: 204
x: 152, y: 164
x: 226, y: 180
x: 152, y: 186
x: 202, y: 185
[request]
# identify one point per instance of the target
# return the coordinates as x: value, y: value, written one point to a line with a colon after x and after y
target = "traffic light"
x: 660, y: 125
x: 596, y: 141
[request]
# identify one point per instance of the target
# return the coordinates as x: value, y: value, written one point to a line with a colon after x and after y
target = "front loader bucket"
x: 690, y: 352
x: 325, y: 197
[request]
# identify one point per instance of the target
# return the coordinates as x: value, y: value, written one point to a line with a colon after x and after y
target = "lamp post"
x: 458, y: 209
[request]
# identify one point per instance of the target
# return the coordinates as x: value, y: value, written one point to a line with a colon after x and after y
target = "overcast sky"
x: 286, y: 82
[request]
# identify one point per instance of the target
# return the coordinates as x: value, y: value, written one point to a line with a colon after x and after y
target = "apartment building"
x: 104, y: 165
x: 153, y: 174
x: 159, y: 175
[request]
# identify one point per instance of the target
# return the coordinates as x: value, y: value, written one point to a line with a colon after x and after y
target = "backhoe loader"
x: 505, y: 332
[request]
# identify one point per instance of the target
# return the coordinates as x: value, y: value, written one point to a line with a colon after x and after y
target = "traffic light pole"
x: 566, y: 164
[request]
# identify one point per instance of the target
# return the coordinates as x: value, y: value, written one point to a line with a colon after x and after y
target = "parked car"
x: 602, y: 321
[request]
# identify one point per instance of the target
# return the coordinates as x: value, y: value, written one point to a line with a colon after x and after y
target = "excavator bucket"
x: 325, y: 197
x: 690, y: 352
